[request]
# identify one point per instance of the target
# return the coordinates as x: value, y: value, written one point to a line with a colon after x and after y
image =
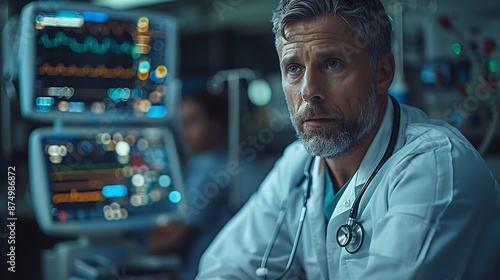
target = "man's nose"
x: 313, y: 86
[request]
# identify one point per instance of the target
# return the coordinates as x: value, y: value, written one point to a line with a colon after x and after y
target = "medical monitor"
x: 82, y: 63
x: 90, y: 181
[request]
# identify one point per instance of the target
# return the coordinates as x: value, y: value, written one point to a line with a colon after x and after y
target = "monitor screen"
x: 80, y: 62
x: 83, y: 180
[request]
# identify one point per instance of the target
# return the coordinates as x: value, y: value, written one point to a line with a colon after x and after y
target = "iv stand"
x: 233, y: 77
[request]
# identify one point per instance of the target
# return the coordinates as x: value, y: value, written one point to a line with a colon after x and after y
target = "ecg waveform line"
x: 86, y: 71
x: 90, y: 44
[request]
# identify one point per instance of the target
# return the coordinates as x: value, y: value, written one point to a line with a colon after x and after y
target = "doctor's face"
x: 328, y: 85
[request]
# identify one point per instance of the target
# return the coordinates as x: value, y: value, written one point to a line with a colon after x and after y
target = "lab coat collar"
x: 316, y: 216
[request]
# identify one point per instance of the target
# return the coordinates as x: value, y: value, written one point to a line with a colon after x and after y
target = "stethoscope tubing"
x: 388, y: 153
x: 281, y: 218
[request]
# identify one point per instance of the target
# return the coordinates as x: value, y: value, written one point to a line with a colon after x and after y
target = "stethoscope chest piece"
x: 350, y: 237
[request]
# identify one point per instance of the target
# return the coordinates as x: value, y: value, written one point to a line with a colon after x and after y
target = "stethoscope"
x: 349, y: 235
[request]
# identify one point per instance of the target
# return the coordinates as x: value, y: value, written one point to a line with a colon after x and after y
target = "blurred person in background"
x: 204, y: 120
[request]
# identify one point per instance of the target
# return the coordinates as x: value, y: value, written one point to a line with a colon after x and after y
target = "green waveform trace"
x: 90, y: 44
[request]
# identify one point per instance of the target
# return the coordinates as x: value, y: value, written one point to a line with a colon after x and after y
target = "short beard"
x: 328, y: 142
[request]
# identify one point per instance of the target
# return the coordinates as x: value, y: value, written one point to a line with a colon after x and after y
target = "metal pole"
x: 233, y: 77
x: 233, y: 86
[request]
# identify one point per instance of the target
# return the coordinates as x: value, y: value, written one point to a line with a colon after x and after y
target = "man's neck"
x: 345, y: 165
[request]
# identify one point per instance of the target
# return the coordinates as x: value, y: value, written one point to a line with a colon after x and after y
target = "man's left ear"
x: 385, y: 73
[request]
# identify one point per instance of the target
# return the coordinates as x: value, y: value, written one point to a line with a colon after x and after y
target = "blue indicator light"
x: 86, y: 146
x: 44, y: 101
x: 119, y: 94
x: 154, y: 77
x: 427, y: 77
x: 95, y: 16
x: 165, y: 181
x: 42, y: 109
x: 456, y: 119
x: 144, y: 66
x: 157, y: 111
x: 77, y: 107
x: 174, y: 197
x: 137, y: 93
x: 44, y: 104
x: 112, y: 191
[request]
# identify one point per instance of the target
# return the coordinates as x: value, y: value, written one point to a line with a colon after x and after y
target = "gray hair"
x: 372, y: 22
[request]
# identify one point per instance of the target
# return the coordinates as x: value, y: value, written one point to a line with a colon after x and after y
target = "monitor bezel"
x: 27, y: 56
x: 40, y: 189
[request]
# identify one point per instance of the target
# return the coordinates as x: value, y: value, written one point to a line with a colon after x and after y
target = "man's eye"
x: 293, y: 69
x: 333, y: 64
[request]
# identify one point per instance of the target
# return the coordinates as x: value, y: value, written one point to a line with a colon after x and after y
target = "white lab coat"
x: 432, y: 212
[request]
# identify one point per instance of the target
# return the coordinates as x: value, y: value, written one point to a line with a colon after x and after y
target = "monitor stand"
x: 105, y: 258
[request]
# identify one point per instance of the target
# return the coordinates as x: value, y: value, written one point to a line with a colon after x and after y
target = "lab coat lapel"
x: 325, y: 243
x: 316, y: 218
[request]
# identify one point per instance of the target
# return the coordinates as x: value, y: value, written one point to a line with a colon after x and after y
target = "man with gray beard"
x: 328, y: 143
x: 373, y: 189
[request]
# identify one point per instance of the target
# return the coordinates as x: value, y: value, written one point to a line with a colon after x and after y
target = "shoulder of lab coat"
x: 238, y: 249
x: 440, y: 208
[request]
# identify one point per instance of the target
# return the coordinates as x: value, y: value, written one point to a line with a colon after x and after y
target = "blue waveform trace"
x: 90, y: 44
